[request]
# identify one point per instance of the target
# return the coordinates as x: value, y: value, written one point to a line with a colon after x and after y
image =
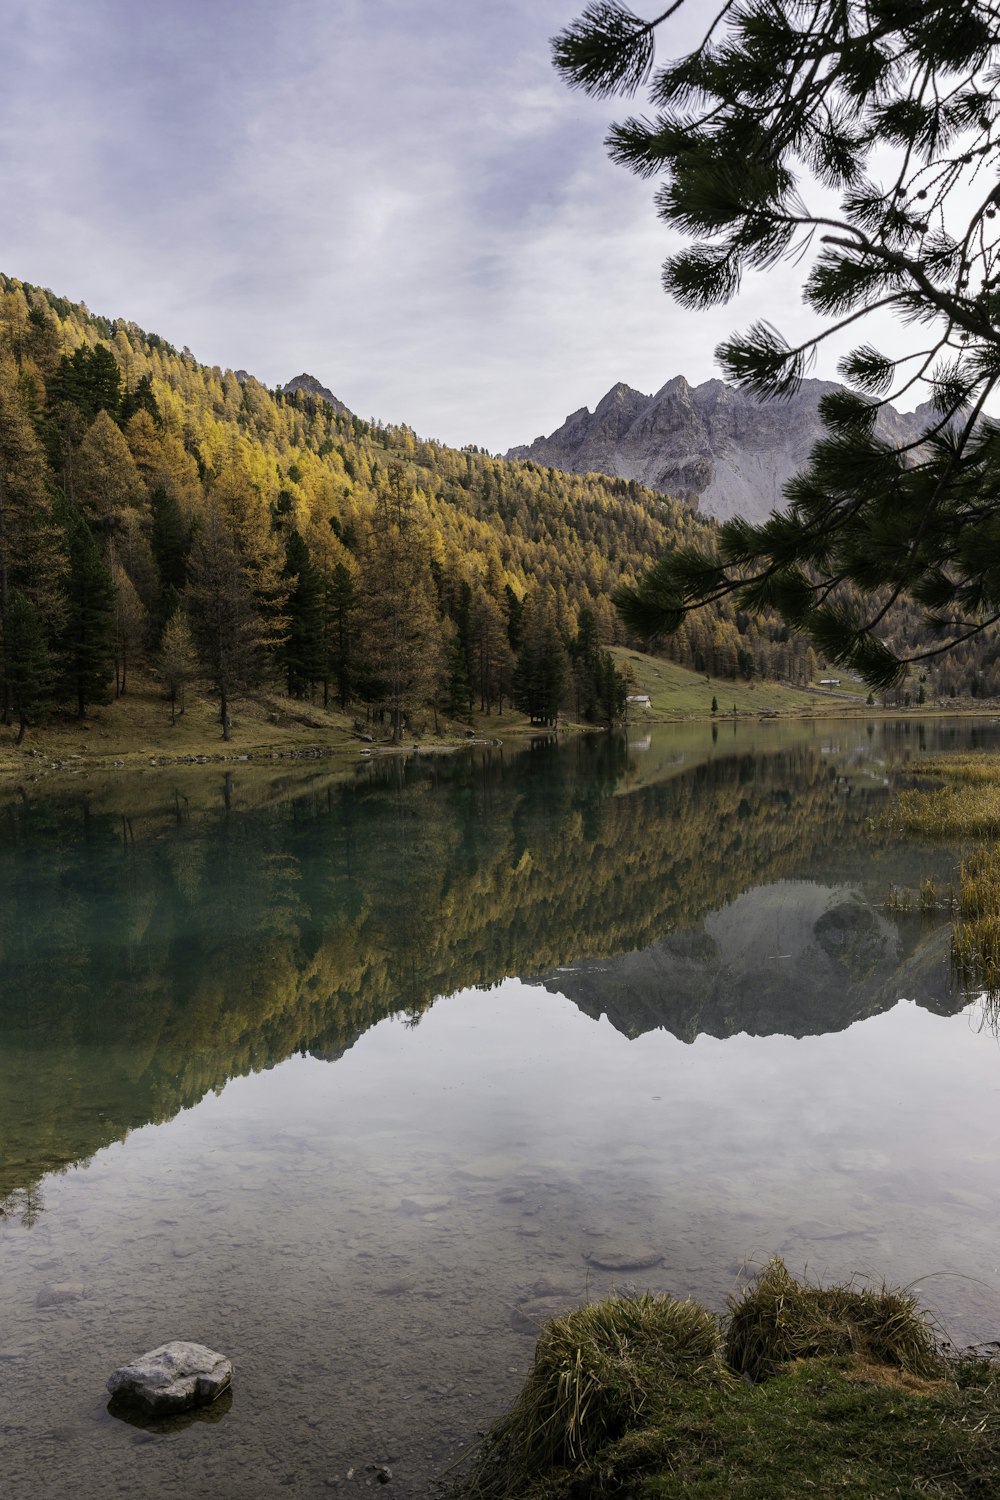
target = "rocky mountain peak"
x: 310, y: 386
x: 711, y: 444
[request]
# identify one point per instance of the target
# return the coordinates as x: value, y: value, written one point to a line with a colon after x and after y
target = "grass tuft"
x: 777, y: 1320
x: 844, y: 1394
x: 599, y: 1373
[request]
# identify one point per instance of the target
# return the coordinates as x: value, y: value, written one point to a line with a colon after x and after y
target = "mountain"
x: 712, y: 445
x: 308, y: 385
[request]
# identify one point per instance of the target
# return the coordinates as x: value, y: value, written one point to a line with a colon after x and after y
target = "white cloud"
x: 403, y: 200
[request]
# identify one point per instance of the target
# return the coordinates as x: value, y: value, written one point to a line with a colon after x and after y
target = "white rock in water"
x: 175, y: 1377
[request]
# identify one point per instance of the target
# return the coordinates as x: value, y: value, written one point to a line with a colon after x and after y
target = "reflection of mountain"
x: 148, y: 956
x: 793, y: 958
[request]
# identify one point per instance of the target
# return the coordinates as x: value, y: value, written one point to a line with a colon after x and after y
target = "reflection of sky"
x: 401, y: 199
x: 901, y: 1109
x: 356, y: 1234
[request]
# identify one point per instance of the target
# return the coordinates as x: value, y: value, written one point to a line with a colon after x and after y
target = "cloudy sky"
x: 398, y: 196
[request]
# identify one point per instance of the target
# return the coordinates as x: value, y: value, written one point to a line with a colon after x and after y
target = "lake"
x: 358, y: 1080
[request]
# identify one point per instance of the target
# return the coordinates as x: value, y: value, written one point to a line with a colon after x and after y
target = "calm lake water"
x: 359, y: 1081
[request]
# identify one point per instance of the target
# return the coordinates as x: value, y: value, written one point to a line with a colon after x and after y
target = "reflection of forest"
x: 146, y: 960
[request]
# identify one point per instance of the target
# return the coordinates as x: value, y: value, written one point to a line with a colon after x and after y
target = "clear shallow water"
x: 373, y: 1224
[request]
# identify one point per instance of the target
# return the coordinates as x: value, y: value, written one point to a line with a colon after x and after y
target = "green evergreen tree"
x: 170, y: 538
x: 611, y: 696
x: 303, y: 653
x: 515, y: 609
x: 460, y: 656
x: 32, y: 559
x: 341, y: 625
x: 87, y: 638
x: 228, y: 621
x: 27, y: 662
x: 140, y: 398
x: 90, y: 380
x: 458, y: 696
x: 541, y: 669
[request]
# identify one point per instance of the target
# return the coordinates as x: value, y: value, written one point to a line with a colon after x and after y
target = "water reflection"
x: 155, y: 943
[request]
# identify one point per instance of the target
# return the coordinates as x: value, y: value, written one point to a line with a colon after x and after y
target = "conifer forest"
x: 160, y: 514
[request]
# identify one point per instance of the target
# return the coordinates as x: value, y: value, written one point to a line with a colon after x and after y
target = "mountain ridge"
x: 713, y: 445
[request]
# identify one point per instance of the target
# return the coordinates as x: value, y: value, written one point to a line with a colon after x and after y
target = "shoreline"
x: 54, y: 757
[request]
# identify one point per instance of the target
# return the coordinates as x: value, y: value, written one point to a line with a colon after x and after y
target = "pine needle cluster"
x: 862, y: 139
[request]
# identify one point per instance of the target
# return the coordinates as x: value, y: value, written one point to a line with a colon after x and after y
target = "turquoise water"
x: 358, y: 1080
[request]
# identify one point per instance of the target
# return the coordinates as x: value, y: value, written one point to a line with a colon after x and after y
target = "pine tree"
x: 601, y: 690
x: 27, y: 662
x: 515, y: 608
x: 492, y: 652
x: 170, y: 538
x: 303, y: 652
x: 107, y: 481
x: 462, y: 671
x: 894, y: 108
x: 228, y: 623
x: 341, y: 630
x: 87, y: 637
x: 457, y: 698
x: 401, y: 640
x: 32, y: 558
x: 542, y: 666
x: 611, y: 698
x: 130, y: 624
x: 139, y: 399
x: 90, y: 381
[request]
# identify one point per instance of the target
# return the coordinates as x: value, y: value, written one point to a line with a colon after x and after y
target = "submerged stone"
x: 531, y: 1316
x: 173, y: 1378
x: 629, y: 1258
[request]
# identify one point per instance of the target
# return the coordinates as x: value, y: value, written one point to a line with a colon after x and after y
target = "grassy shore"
x: 798, y: 1391
x: 136, y: 731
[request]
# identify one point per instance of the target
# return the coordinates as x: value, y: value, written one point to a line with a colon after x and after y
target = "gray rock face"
x: 310, y: 386
x: 711, y: 443
x: 173, y: 1378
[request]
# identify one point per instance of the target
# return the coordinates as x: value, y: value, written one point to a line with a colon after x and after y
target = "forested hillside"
x: 161, y: 513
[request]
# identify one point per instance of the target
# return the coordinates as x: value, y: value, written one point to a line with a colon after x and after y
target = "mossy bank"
x: 799, y: 1390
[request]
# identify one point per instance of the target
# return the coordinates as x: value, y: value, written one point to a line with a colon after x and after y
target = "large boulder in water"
x: 173, y: 1378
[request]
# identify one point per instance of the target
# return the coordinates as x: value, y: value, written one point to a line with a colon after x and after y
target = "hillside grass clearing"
x: 677, y: 693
